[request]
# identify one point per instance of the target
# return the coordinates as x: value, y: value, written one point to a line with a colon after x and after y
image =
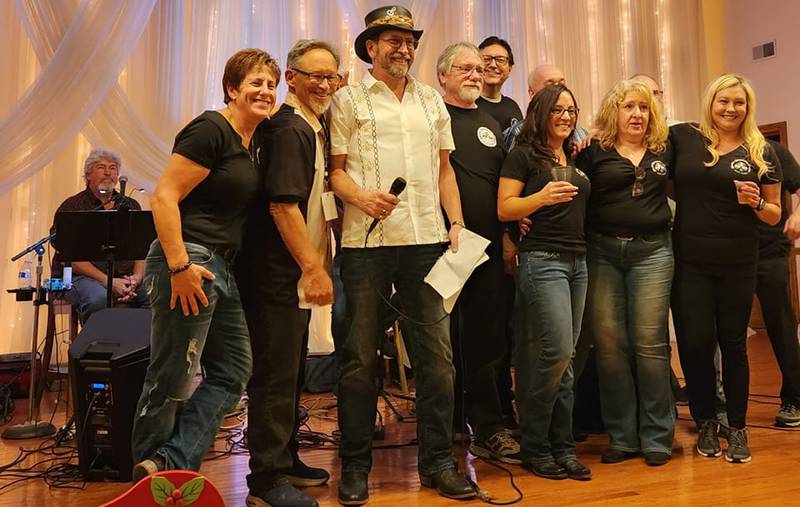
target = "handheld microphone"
x: 123, y: 182
x: 398, y: 185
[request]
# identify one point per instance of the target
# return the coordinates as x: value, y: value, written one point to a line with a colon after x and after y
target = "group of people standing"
x: 243, y: 211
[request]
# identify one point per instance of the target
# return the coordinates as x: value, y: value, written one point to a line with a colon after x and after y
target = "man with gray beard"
x: 283, y: 270
x: 478, y: 330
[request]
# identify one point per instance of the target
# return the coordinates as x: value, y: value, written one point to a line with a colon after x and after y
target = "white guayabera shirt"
x: 385, y: 138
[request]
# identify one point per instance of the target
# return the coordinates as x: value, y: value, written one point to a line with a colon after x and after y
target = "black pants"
x: 772, y: 289
x: 707, y: 302
x: 480, y: 347
x: 279, y: 341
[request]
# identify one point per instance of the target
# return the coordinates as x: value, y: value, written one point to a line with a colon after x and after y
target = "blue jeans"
x: 88, y: 295
x: 627, y: 308
x: 553, y: 290
x: 170, y: 421
x: 365, y: 273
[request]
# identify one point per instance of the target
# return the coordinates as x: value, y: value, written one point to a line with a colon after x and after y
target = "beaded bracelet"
x: 180, y: 269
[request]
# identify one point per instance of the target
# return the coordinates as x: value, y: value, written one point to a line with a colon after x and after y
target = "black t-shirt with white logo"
x: 477, y: 161
x: 612, y: 208
x: 556, y: 228
x: 506, y: 112
x: 772, y: 241
x: 711, y: 227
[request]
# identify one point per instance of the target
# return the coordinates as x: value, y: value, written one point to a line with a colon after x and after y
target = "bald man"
x: 542, y: 76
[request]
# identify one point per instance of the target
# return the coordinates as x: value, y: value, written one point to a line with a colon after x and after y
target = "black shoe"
x: 616, y: 456
x: 708, y: 439
x: 547, y: 470
x: 304, y: 476
x: 656, y: 458
x: 449, y: 483
x: 576, y: 470
x: 281, y: 494
x: 353, y: 488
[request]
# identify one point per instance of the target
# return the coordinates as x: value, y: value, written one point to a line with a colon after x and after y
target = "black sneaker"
x: 576, y: 470
x: 281, y: 494
x: 708, y: 439
x: 304, y: 476
x: 500, y: 446
x: 737, y: 451
x: 788, y: 415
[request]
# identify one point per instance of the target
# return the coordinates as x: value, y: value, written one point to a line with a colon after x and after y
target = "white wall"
x: 776, y: 80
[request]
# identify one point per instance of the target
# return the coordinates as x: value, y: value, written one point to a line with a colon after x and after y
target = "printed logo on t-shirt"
x: 741, y: 166
x: 487, y: 137
x: 659, y: 167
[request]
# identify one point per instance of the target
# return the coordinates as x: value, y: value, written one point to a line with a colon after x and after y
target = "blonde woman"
x: 629, y: 258
x: 726, y: 178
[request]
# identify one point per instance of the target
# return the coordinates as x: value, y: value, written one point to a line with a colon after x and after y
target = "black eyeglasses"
x: 317, y: 78
x: 559, y: 111
x: 466, y: 70
x: 397, y: 43
x: 638, y: 182
x: 499, y: 60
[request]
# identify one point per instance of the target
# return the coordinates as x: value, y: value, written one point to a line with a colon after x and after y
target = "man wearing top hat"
x: 386, y: 126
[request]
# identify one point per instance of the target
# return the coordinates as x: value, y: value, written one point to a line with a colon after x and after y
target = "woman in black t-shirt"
x: 199, y: 207
x: 726, y: 179
x: 551, y: 279
x: 629, y: 256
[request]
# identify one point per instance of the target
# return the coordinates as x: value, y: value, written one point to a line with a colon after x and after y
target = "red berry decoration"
x: 176, y: 494
x: 170, y: 500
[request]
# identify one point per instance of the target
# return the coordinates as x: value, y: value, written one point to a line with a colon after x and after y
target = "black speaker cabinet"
x: 108, y: 360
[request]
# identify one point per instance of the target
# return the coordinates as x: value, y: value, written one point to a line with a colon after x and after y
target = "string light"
x: 542, y: 35
x: 469, y: 19
x: 302, y: 15
x: 625, y: 26
x: 593, y: 62
x: 350, y: 63
x: 662, y: 19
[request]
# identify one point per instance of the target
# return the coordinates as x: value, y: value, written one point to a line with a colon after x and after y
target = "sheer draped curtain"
x: 127, y: 74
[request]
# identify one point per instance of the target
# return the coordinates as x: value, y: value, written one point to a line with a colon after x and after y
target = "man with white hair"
x: 479, y: 320
x: 101, y: 171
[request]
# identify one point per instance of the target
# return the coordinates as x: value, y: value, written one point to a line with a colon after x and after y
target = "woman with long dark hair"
x: 536, y: 182
x: 726, y: 178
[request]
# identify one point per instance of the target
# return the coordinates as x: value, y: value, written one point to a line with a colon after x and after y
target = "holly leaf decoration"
x: 161, y: 488
x: 191, y: 490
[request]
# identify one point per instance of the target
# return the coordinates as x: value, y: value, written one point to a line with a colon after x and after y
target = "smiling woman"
x: 199, y: 208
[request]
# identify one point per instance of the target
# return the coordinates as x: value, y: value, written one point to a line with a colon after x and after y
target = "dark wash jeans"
x: 180, y: 427
x: 711, y: 305
x: 365, y: 271
x: 772, y: 289
x: 627, y: 309
x: 552, y: 286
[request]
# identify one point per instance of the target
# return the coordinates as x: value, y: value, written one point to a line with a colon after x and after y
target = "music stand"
x: 104, y: 235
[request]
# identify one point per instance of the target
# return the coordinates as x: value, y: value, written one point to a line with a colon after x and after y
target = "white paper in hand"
x: 452, y: 270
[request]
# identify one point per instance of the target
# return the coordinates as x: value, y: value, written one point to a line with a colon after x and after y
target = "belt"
x: 226, y: 252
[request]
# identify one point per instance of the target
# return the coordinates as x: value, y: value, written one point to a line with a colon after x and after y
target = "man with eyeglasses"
x: 480, y: 317
x: 384, y: 127
x: 498, y: 61
x: 283, y: 271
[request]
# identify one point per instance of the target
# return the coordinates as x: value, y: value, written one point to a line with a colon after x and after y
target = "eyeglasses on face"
x: 499, y: 60
x: 466, y: 70
x: 559, y: 111
x: 397, y: 43
x: 317, y: 78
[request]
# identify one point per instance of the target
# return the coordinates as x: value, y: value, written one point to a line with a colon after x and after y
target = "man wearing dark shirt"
x: 283, y: 270
x: 88, y: 293
x: 479, y: 319
x: 498, y: 61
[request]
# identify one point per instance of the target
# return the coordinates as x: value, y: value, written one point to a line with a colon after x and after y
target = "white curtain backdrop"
x: 127, y: 74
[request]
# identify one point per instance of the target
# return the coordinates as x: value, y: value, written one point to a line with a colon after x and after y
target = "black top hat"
x: 390, y: 17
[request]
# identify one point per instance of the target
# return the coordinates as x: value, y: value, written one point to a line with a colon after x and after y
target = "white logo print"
x: 391, y: 11
x: 741, y: 166
x: 659, y: 167
x: 487, y: 137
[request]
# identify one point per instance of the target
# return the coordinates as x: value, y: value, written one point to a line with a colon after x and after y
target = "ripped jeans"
x: 170, y: 420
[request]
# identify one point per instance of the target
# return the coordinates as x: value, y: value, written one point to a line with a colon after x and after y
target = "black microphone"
x: 398, y: 185
x: 123, y: 182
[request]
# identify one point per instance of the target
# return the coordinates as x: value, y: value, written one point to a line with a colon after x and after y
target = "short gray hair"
x: 98, y: 154
x: 303, y: 46
x: 445, y: 60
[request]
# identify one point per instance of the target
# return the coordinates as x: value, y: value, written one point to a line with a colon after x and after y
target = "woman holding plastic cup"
x: 537, y: 183
x: 630, y: 263
x: 726, y: 178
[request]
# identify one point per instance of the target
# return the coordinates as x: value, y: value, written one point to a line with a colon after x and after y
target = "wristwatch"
x: 761, y: 204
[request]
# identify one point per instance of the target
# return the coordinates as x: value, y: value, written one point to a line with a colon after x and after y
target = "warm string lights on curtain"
x: 302, y: 10
x: 542, y: 33
x: 662, y: 21
x: 469, y: 27
x: 625, y: 28
x: 593, y: 63
x: 349, y: 62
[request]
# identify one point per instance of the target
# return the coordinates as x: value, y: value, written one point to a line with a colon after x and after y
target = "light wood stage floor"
x: 771, y: 479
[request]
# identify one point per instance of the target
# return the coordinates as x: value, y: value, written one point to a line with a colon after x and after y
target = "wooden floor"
x: 772, y: 478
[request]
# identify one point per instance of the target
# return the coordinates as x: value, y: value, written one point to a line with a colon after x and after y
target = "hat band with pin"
x: 395, y: 20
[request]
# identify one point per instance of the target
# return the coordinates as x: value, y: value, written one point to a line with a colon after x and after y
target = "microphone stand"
x: 32, y: 427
